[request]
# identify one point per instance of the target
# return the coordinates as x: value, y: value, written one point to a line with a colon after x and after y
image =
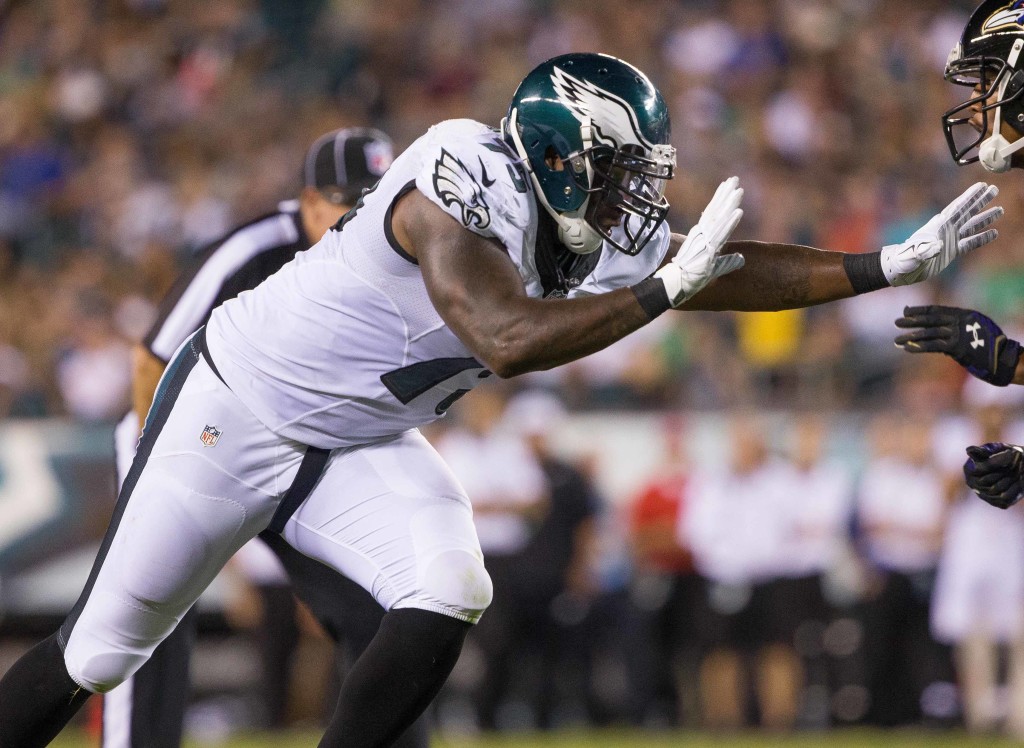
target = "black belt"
x: 313, y: 463
x: 204, y: 349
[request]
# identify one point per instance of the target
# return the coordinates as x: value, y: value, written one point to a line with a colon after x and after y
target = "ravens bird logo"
x: 1011, y: 15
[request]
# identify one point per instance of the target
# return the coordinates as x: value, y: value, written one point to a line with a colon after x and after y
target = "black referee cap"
x: 343, y: 163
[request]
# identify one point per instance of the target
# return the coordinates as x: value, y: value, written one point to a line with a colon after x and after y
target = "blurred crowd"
x: 789, y: 583
x: 134, y: 131
x: 779, y: 587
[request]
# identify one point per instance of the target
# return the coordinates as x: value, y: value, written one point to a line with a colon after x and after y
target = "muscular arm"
x: 477, y: 290
x: 146, y: 372
x: 774, y: 277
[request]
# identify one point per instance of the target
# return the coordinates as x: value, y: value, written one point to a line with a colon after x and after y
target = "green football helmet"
x: 593, y: 132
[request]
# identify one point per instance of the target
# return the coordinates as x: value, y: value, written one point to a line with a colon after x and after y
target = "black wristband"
x: 865, y: 272
x: 652, y: 296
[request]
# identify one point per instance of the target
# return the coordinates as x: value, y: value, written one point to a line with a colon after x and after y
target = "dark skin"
x: 477, y: 290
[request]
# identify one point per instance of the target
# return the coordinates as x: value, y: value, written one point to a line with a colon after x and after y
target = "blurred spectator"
x: 817, y: 510
x: 93, y: 369
x: 666, y: 589
x: 556, y: 568
x: 264, y: 605
x: 734, y: 526
x: 979, y: 594
x: 901, y: 511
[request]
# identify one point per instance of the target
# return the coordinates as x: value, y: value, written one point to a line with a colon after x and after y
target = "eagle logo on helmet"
x: 454, y: 183
x: 1010, y: 15
x: 613, y: 120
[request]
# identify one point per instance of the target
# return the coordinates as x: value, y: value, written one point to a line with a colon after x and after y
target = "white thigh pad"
x: 393, y: 518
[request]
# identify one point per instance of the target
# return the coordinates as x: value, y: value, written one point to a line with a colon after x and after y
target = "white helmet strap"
x: 573, y: 230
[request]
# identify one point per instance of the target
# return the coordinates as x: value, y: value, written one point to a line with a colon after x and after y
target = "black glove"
x: 970, y: 338
x: 995, y: 472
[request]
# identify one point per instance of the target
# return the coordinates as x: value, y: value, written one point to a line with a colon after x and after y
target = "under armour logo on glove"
x: 968, y: 337
x: 973, y: 330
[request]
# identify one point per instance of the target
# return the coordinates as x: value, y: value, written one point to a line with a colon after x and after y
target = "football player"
x: 987, y: 127
x: 148, y: 709
x: 480, y: 253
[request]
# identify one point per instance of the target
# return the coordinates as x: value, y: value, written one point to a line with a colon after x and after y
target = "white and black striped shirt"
x: 237, y: 262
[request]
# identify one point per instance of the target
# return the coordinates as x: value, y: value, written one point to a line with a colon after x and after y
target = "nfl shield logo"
x: 209, y: 436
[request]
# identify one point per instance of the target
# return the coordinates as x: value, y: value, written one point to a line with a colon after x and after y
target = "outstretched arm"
x: 774, y: 277
x: 783, y: 276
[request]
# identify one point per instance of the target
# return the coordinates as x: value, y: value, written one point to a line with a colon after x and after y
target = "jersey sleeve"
x: 616, y: 269
x: 474, y: 180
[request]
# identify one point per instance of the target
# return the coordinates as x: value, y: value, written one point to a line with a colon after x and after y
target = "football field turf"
x: 636, y: 739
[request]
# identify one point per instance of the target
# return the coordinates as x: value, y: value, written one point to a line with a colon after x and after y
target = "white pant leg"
x: 395, y: 519
x: 192, y: 507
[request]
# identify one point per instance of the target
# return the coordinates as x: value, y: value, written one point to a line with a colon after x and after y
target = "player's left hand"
x: 958, y: 229
x: 699, y: 260
x: 995, y: 472
x: 970, y: 338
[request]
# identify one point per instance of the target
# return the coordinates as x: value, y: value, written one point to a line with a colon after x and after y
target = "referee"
x: 147, y: 710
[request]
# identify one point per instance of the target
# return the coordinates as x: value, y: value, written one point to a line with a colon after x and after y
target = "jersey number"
x: 409, y: 382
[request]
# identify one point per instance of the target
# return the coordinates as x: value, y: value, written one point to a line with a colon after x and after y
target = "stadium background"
x: 133, y: 131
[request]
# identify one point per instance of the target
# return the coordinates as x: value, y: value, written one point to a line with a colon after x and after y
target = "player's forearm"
x: 774, y: 277
x: 537, y: 334
x: 146, y: 372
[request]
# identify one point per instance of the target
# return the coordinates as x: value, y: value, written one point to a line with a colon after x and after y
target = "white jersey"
x: 342, y: 346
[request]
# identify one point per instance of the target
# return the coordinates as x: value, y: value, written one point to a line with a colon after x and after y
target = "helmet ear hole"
x: 551, y: 159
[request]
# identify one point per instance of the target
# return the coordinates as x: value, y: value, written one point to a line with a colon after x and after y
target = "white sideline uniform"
x: 342, y: 350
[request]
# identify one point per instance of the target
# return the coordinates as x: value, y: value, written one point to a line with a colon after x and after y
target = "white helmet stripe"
x: 613, y: 120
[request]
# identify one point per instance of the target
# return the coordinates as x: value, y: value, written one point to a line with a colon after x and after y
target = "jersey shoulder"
x: 469, y: 172
x: 616, y: 269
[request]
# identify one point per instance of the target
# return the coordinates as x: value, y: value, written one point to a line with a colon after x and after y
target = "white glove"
x: 698, y: 261
x: 957, y: 230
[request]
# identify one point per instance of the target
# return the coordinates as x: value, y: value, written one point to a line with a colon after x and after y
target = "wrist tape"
x: 652, y: 296
x: 865, y: 271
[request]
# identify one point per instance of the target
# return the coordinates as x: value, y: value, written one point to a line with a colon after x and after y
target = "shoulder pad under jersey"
x: 474, y: 177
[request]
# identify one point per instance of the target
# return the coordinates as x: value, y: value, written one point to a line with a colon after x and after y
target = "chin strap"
x: 573, y: 230
x: 995, y: 152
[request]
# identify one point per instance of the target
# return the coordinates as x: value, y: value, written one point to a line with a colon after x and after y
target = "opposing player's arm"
x: 146, y: 372
x: 477, y: 290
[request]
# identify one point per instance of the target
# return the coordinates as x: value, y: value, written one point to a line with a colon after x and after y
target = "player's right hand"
x: 995, y: 472
x: 968, y: 337
x: 698, y: 261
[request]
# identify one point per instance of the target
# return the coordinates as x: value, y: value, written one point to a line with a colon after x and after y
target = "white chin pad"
x: 993, y: 154
x: 578, y: 235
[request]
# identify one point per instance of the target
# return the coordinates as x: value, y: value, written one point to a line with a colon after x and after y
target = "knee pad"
x: 111, y: 640
x: 101, y: 671
x: 458, y: 581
